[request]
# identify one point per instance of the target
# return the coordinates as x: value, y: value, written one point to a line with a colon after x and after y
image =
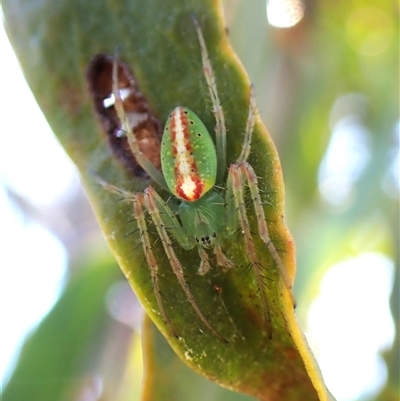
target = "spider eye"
x: 214, y: 235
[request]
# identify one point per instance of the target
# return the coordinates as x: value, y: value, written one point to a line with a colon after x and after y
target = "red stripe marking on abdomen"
x: 188, y: 185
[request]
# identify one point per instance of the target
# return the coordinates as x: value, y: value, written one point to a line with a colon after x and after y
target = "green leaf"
x: 54, y: 42
x: 167, y: 378
x: 53, y: 362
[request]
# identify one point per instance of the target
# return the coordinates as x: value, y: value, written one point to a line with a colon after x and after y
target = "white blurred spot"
x: 350, y: 324
x: 33, y: 164
x: 32, y: 269
x: 136, y: 119
x: 110, y: 101
x: 391, y: 180
x: 32, y: 161
x: 123, y: 305
x: 284, y: 13
x: 91, y: 389
x: 348, y: 151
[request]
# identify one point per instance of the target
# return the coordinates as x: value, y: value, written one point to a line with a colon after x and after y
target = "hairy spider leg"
x: 251, y: 179
x: 235, y: 195
x: 220, y: 128
x: 138, y: 211
x: 222, y: 260
x: 249, y: 127
x: 252, y: 182
x: 144, y: 162
x: 205, y: 263
x: 239, y: 173
x: 138, y: 204
x: 160, y: 213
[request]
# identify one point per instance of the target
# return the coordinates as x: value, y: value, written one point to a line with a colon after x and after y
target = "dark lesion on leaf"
x: 145, y: 126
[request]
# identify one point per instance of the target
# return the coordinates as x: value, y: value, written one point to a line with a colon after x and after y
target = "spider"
x: 193, y: 172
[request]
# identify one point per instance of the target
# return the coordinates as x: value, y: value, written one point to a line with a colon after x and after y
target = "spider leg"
x: 128, y: 196
x: 252, y: 182
x: 222, y: 259
x: 220, y: 128
x: 236, y: 188
x: 144, y: 162
x: 152, y: 201
x: 205, y: 263
x: 249, y: 127
x: 251, y: 179
x: 138, y: 204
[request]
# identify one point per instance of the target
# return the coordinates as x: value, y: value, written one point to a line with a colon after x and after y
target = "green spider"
x: 193, y: 171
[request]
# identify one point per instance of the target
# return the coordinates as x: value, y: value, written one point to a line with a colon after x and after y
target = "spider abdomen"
x: 188, y: 156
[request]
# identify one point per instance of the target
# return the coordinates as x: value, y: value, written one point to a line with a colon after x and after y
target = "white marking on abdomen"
x: 182, y: 156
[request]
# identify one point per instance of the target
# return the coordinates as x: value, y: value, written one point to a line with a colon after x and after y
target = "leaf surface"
x: 54, y: 42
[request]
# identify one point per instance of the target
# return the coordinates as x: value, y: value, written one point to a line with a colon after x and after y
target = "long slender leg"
x: 178, y: 232
x: 222, y: 260
x: 171, y: 223
x: 138, y: 204
x: 205, y: 263
x: 252, y: 182
x: 249, y: 127
x: 231, y: 215
x: 149, y: 198
x: 235, y: 181
x: 144, y: 162
x: 251, y: 178
x: 220, y: 128
x: 231, y: 208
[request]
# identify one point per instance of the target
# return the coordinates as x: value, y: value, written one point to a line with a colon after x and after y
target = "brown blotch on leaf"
x: 145, y: 126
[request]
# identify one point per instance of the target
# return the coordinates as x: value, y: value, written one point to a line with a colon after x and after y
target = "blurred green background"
x: 328, y: 91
